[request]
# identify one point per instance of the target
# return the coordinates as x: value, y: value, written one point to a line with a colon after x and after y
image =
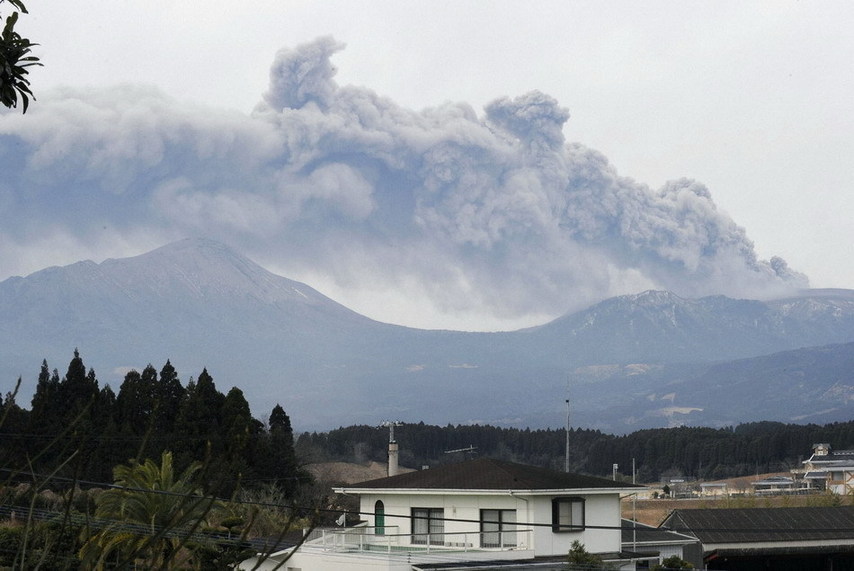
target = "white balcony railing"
x: 365, y: 539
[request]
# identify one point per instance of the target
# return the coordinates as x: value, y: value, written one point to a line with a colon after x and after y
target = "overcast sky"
x: 751, y: 100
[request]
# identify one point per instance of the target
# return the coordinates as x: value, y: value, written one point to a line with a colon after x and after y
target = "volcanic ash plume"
x: 489, y: 213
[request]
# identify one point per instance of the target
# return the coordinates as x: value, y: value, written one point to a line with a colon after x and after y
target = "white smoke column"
x: 492, y: 215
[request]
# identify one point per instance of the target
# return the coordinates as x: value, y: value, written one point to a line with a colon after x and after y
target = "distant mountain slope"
x: 200, y: 304
x: 662, y: 327
x: 186, y: 298
x: 814, y: 384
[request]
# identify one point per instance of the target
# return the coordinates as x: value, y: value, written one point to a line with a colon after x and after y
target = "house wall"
x: 841, y: 481
x: 600, y: 510
x: 454, y: 506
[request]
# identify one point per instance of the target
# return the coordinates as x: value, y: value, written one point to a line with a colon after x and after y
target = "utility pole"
x: 566, y: 458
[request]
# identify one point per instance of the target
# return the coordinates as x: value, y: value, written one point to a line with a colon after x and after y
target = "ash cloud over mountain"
x: 492, y: 212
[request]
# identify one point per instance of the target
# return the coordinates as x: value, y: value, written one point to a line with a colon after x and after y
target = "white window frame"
x: 498, y: 528
x: 428, y: 526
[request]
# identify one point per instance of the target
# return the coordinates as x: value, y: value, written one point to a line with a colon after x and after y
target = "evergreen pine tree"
x: 199, y: 422
x: 13, y: 425
x: 237, y: 426
x: 112, y: 449
x: 149, y: 384
x: 129, y: 405
x: 282, y: 463
x: 45, y: 417
x: 77, y: 391
x: 167, y: 400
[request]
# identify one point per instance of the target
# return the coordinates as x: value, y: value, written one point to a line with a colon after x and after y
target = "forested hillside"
x: 704, y: 453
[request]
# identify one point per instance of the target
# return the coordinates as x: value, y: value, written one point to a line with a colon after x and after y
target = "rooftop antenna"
x: 391, y: 424
x: 393, y: 450
x: 471, y: 450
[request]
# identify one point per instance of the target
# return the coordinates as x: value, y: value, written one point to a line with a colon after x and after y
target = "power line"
x: 309, y: 509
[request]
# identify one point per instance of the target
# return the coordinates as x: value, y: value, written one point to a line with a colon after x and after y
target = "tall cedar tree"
x: 13, y: 424
x: 236, y: 427
x: 78, y: 390
x: 282, y: 465
x: 199, y: 422
x: 46, y: 405
x: 131, y: 407
x: 167, y: 402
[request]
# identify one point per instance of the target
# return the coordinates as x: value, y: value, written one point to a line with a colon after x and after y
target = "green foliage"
x: 153, y: 514
x: 53, y: 545
x: 826, y: 500
x: 11, y: 539
x: 200, y: 421
x: 72, y: 417
x: 264, y: 522
x: 169, y: 394
x: 15, y: 58
x: 674, y: 563
x: 160, y: 514
x: 579, y: 559
x: 277, y: 458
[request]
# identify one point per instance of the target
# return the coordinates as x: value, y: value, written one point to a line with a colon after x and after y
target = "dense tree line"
x: 77, y: 431
x: 428, y: 445
x: 705, y: 453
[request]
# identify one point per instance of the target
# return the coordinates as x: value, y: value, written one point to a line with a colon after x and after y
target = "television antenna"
x: 471, y: 449
x: 391, y: 424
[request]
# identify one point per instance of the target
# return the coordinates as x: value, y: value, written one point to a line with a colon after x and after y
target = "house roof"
x: 773, y: 480
x: 489, y: 474
x: 831, y: 457
x: 643, y: 534
x: 753, y: 525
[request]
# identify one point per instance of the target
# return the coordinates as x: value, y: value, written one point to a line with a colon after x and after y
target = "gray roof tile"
x: 751, y: 525
x: 489, y: 474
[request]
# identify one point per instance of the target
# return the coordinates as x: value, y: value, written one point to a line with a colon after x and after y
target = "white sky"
x: 753, y: 99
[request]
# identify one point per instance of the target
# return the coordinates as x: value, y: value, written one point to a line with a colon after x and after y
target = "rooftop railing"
x: 365, y: 539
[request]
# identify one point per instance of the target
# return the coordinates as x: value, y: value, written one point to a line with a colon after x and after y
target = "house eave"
x: 488, y: 492
x: 770, y: 546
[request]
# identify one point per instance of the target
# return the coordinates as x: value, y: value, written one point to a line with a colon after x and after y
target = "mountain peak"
x: 653, y: 297
x: 190, y: 251
x: 194, y: 247
x: 205, y: 268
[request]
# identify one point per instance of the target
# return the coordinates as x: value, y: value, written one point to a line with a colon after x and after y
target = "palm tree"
x: 148, y: 518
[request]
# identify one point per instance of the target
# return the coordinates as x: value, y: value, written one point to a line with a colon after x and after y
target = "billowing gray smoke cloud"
x: 493, y: 214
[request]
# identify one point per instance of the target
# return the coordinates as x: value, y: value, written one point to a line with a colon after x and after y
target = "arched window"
x: 379, y: 518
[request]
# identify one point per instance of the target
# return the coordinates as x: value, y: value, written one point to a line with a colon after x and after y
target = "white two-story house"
x: 834, y: 469
x: 484, y: 512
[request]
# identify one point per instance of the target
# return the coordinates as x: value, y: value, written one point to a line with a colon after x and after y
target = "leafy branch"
x: 15, y: 58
